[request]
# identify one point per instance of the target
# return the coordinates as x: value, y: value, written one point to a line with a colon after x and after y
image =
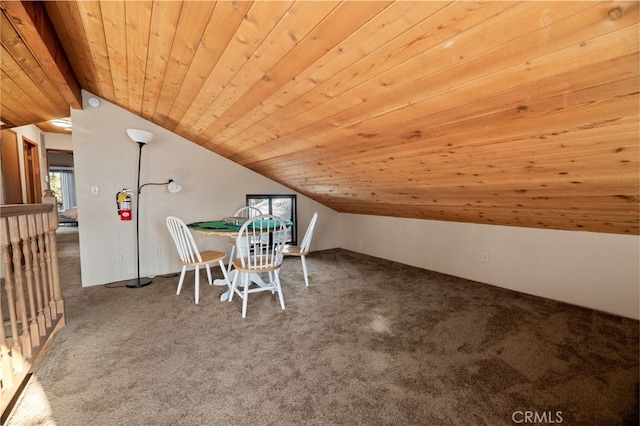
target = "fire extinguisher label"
x: 124, y: 205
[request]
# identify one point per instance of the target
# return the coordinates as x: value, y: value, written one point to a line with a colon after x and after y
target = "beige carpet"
x: 370, y: 342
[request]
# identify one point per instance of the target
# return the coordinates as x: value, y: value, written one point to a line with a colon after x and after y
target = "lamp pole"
x: 142, y: 137
x: 138, y: 282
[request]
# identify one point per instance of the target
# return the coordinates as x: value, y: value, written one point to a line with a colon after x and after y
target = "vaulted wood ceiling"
x: 509, y: 113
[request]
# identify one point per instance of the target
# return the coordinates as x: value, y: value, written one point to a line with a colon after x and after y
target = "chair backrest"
x: 247, y: 211
x: 306, y: 241
x: 260, y: 242
x: 181, y: 234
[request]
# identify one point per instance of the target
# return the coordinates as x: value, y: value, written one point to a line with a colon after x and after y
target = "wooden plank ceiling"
x: 509, y: 113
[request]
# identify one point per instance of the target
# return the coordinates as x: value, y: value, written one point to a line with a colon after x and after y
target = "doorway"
x: 62, y: 183
x: 62, y: 178
x: 32, y: 171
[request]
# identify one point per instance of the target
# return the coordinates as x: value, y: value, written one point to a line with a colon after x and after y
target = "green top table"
x: 214, y: 227
x: 219, y: 227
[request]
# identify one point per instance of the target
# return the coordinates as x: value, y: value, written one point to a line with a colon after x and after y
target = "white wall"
x: 594, y: 270
x: 59, y: 141
x: 212, y: 187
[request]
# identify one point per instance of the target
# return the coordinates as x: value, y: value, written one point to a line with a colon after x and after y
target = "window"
x: 62, y: 183
x: 283, y: 206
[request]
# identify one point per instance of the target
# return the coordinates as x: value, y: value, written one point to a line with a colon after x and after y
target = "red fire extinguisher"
x: 123, y: 199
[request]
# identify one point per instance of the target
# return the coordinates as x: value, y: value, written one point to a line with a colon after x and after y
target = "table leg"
x: 254, y: 278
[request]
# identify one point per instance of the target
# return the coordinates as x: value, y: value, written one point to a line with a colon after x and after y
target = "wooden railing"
x: 31, y: 303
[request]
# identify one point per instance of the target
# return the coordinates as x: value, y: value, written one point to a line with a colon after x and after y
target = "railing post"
x: 35, y: 320
x: 24, y: 286
x: 12, y: 287
x: 41, y: 325
x: 6, y: 364
x: 45, y: 269
x: 52, y: 219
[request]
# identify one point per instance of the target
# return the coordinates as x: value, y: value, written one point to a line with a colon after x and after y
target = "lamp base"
x: 138, y: 282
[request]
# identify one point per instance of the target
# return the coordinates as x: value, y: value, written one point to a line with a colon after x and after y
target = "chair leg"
x: 304, y: 270
x: 234, y: 285
x: 272, y: 282
x: 184, y: 269
x: 209, y: 273
x: 224, y: 272
x: 246, y: 295
x: 230, y: 263
x: 279, y: 288
x: 197, y: 284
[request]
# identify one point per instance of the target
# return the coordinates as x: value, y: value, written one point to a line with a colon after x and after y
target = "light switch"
x: 95, y: 190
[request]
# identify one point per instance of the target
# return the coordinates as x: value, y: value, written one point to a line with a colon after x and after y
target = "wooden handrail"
x: 7, y: 210
x: 31, y: 302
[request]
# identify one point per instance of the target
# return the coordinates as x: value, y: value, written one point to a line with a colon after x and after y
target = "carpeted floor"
x: 370, y: 342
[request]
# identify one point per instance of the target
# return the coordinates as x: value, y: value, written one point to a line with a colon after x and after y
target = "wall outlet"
x: 157, y: 251
x: 360, y: 243
x: 485, y: 256
x: 119, y: 257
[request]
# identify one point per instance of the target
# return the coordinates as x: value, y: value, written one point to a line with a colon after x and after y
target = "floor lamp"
x: 142, y: 137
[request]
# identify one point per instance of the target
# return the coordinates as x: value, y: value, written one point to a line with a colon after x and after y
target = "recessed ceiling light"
x: 94, y: 102
x: 65, y: 123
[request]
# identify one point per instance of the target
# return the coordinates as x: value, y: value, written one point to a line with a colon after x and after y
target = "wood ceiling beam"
x: 32, y: 23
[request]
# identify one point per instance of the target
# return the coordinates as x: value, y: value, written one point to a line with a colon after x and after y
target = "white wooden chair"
x: 244, y: 211
x: 303, y: 249
x: 256, y: 255
x: 190, y: 256
x: 247, y: 211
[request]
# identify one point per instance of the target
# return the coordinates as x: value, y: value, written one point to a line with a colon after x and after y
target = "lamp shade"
x: 174, y: 187
x: 140, y: 136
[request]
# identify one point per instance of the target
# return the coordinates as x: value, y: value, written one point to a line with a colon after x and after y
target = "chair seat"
x: 207, y: 256
x: 237, y: 263
x: 294, y: 251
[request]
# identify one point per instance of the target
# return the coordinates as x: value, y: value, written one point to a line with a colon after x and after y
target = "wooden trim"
x: 21, y: 209
x: 33, y: 24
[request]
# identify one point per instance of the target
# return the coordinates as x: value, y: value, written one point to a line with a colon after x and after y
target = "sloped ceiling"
x: 509, y: 113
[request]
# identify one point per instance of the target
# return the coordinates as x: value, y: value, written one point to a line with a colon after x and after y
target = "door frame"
x: 11, y: 175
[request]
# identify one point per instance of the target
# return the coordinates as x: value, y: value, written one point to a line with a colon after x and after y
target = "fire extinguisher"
x: 123, y: 200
